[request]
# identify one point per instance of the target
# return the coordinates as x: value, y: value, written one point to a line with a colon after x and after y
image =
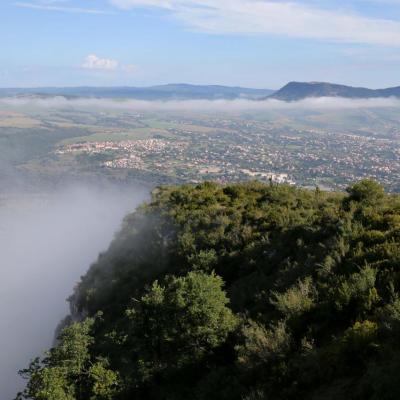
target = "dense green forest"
x: 246, y: 291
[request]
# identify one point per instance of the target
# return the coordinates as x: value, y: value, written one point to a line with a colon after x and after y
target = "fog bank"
x: 46, y: 243
x: 320, y: 103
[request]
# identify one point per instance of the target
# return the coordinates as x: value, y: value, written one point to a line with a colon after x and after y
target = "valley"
x: 123, y: 142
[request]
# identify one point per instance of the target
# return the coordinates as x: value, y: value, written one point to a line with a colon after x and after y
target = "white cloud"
x: 285, y: 18
x: 94, y: 62
x: 53, y: 6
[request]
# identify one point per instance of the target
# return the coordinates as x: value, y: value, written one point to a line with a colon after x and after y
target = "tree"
x: 178, y: 323
x: 67, y: 372
x: 366, y: 191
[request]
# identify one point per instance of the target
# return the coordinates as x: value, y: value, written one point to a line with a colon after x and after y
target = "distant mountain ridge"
x: 161, y: 92
x: 301, y: 90
x: 293, y: 91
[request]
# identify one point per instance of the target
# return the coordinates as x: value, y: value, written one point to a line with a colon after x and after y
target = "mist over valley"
x: 48, y: 239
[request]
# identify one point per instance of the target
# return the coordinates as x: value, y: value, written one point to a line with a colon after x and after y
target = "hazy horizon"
x: 113, y: 86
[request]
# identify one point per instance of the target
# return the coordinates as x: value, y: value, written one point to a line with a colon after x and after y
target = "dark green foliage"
x: 68, y: 372
x: 246, y: 291
x: 366, y: 191
x: 176, y: 325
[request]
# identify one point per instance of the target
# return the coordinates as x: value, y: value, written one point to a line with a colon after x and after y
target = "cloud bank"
x: 45, y: 246
x: 321, y: 103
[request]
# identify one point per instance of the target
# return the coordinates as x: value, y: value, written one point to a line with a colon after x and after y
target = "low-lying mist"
x: 320, y: 103
x: 46, y: 243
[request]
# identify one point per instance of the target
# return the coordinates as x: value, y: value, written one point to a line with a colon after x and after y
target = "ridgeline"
x: 295, y: 91
x: 245, y: 291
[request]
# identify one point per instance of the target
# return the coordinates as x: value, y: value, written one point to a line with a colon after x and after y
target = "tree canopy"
x: 244, y: 291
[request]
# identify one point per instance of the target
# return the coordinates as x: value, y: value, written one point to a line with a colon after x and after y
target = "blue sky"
x: 255, y: 43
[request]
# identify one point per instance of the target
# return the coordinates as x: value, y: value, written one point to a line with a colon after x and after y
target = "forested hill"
x: 245, y: 291
x: 295, y: 91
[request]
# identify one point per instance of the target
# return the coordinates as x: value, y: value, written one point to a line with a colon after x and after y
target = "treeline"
x: 245, y: 291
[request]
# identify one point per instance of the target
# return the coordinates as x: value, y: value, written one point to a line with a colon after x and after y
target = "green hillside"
x: 245, y: 291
